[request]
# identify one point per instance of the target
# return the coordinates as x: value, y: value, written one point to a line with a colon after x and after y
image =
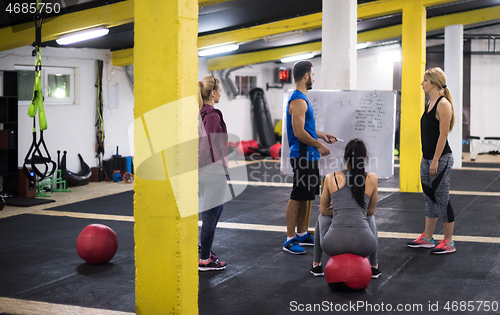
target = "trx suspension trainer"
x: 35, y: 155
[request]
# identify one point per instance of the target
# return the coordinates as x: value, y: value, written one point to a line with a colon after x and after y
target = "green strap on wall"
x: 37, y: 100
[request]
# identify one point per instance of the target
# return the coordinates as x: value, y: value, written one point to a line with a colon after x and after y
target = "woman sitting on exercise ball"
x: 346, y: 223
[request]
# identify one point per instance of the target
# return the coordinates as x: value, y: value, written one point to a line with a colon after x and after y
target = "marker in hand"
x: 338, y: 139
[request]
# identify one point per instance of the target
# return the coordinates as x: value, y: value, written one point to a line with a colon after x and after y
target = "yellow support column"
x: 412, y: 96
x: 165, y: 71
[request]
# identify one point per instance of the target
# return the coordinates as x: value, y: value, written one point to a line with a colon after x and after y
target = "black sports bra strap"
x: 435, y: 105
x: 437, y: 102
x: 334, y: 176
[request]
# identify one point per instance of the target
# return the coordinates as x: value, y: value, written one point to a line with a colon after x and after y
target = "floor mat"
x: 40, y: 262
x: 117, y: 204
x: 26, y: 202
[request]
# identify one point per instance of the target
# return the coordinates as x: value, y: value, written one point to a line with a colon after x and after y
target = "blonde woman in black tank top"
x: 436, y: 123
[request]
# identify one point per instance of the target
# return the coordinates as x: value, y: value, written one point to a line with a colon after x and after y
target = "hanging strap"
x: 36, y: 156
x: 38, y: 153
x: 37, y: 100
x: 99, y: 125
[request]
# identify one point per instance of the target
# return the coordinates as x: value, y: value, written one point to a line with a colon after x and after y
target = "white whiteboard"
x: 367, y: 115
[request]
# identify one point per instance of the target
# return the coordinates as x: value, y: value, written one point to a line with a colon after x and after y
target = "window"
x: 25, y: 84
x: 58, y: 85
x: 245, y: 84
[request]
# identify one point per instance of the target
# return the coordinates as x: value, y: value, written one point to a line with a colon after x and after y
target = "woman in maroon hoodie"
x: 212, y: 161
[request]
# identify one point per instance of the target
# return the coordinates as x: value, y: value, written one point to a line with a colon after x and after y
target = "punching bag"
x: 262, y: 117
x: 76, y: 179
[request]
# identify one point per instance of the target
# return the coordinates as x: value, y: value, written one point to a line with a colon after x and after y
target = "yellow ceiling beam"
x: 314, y: 21
x: 379, y: 8
x: 219, y: 63
x: 203, y: 3
x: 380, y: 34
x: 307, y: 22
x: 109, y: 15
x: 465, y: 18
x: 435, y: 23
x: 122, y: 12
x: 122, y: 58
x: 430, y: 3
x: 385, y: 7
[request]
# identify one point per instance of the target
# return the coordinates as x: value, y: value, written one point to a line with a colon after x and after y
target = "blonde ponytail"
x: 205, y: 88
x: 447, y: 95
x: 438, y: 78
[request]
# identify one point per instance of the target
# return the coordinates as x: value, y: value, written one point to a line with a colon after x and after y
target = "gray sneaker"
x: 376, y: 273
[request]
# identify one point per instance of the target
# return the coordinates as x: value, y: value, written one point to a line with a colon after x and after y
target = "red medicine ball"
x: 252, y: 144
x: 348, y: 271
x: 275, y: 151
x: 97, y: 244
x: 244, y: 145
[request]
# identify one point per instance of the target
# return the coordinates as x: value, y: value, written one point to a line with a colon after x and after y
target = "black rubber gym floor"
x: 39, y: 262
x: 38, y: 259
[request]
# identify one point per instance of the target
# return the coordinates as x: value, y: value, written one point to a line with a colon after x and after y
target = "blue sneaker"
x: 292, y: 246
x: 306, y: 240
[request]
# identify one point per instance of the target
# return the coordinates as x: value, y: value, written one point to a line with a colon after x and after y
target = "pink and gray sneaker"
x: 444, y: 248
x: 422, y: 242
x: 212, y: 264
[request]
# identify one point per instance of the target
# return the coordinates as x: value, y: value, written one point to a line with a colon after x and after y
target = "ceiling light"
x: 297, y: 57
x: 82, y: 35
x: 272, y: 38
x: 218, y: 50
x: 394, y: 56
x: 361, y: 45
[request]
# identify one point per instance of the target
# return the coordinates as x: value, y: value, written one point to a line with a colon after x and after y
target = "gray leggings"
x: 437, y: 189
x: 336, y: 240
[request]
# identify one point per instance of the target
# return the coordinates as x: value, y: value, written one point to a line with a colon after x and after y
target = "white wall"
x: 485, y: 94
x: 372, y: 74
x: 237, y: 112
x: 117, y: 121
x: 71, y: 127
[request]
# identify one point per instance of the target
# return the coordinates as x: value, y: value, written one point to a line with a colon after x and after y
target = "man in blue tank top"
x: 305, y: 152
